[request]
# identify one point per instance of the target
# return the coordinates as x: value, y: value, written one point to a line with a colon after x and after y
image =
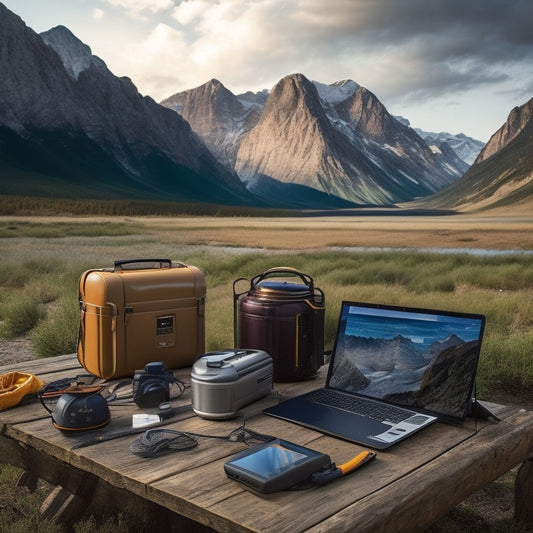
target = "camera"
x: 151, y: 386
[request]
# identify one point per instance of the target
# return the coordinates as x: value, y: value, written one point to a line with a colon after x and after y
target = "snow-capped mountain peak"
x: 336, y: 92
x: 465, y: 147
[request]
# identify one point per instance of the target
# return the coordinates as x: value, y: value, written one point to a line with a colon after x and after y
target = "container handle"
x: 308, y: 280
x: 236, y: 297
x: 133, y: 264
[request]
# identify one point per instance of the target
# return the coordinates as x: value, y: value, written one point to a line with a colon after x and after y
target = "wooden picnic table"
x: 406, y: 488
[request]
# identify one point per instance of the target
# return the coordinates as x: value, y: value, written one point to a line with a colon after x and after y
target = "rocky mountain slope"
x: 502, y: 174
x: 294, y: 144
x: 68, y: 126
x: 218, y: 116
x: 465, y: 147
x: 316, y: 143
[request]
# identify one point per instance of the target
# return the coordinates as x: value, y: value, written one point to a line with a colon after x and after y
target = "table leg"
x: 29, y: 480
x: 62, y: 507
x: 524, y: 493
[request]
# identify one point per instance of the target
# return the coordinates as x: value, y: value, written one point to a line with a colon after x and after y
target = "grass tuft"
x: 57, y: 333
x: 19, y: 316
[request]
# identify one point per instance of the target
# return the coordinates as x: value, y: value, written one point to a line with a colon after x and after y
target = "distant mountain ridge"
x: 502, y: 174
x: 465, y: 147
x: 69, y: 126
x: 336, y: 141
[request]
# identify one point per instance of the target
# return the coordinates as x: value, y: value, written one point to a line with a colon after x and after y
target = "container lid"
x: 282, y: 290
x: 229, y: 365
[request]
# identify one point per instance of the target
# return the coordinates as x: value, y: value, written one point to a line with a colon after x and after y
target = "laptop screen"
x: 418, y: 358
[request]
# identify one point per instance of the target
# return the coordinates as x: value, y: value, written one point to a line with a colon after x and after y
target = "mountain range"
x: 70, y: 128
x: 438, y: 378
x: 465, y: 147
x: 502, y: 174
x: 309, y: 141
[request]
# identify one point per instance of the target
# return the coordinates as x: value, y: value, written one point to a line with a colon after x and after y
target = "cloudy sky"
x: 446, y: 65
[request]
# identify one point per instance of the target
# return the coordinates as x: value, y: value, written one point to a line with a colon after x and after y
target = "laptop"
x: 393, y: 371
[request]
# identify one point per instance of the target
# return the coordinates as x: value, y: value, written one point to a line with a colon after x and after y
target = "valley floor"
x: 496, y: 231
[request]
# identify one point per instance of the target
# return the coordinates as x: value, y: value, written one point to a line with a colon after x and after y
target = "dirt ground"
x: 502, y: 231
x: 315, y: 233
x: 16, y: 350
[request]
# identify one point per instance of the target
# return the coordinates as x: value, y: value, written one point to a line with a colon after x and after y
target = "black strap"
x: 131, y: 431
x: 157, y: 441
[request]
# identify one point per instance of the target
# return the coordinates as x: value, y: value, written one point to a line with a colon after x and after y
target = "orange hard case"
x: 138, y: 312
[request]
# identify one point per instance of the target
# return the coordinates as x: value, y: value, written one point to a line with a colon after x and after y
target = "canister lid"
x: 228, y: 365
x: 282, y: 290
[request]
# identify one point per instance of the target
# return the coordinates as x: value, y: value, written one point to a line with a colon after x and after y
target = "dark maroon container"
x: 283, y: 318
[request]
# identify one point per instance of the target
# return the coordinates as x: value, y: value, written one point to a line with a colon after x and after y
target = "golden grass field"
x: 462, y: 231
x: 490, y: 231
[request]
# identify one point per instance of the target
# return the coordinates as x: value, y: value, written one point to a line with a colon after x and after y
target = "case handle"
x: 133, y: 264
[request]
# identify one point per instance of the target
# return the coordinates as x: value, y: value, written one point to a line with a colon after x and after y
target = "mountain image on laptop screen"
x: 415, y: 359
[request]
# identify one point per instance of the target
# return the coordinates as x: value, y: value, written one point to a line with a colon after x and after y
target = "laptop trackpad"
x: 336, y: 422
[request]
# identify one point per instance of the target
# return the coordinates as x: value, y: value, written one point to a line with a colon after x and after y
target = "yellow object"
x: 357, y: 461
x: 15, y: 385
x: 130, y: 317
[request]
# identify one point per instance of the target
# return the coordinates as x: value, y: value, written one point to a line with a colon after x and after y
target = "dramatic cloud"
x: 451, y: 40
x: 422, y: 58
x: 138, y: 7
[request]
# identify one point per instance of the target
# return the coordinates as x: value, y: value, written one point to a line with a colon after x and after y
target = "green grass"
x: 20, y: 315
x: 25, y: 228
x: 56, y: 333
x: 20, y: 512
x: 19, y: 507
x: 38, y: 294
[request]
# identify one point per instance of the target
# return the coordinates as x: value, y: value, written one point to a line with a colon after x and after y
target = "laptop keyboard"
x: 377, y: 411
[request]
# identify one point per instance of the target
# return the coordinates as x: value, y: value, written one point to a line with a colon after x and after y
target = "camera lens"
x: 151, y: 393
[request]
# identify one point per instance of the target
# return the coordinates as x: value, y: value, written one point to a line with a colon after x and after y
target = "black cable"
x: 156, y: 441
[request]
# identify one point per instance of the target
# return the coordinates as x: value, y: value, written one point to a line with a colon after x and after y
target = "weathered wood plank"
x: 432, y: 470
x: 172, y: 479
x: 524, y: 494
x: 47, y: 365
x: 276, y: 512
x: 49, y: 468
x: 62, y: 507
x: 29, y: 480
x: 441, y: 484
